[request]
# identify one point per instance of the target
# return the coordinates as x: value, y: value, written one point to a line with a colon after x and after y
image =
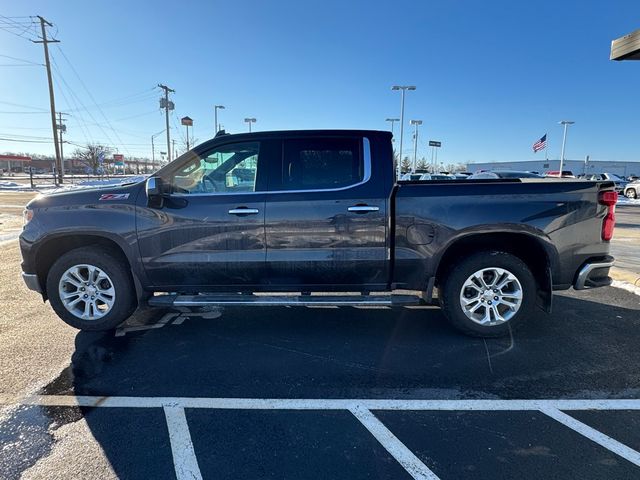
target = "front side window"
x: 324, y: 163
x: 226, y: 169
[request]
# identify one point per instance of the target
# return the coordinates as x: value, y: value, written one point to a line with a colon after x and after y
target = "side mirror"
x: 154, y: 186
x: 155, y: 190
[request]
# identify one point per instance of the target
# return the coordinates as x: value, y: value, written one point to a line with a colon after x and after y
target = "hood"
x: 89, y: 194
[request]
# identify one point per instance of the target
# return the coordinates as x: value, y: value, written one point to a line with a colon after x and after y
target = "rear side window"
x: 323, y: 163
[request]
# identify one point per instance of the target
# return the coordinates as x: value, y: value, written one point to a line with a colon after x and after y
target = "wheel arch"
x: 54, y: 246
x: 539, y: 255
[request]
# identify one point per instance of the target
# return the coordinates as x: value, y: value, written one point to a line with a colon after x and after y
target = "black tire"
x: 118, y: 272
x: 631, y: 193
x: 451, y: 287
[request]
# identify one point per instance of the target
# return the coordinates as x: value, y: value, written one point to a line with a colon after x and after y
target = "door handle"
x: 243, y: 211
x: 363, y: 209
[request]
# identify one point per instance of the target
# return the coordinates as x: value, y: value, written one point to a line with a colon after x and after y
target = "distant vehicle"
x: 436, y: 176
x: 632, y: 178
x: 632, y: 189
x: 556, y: 173
x: 411, y: 176
x: 502, y: 174
x: 599, y: 177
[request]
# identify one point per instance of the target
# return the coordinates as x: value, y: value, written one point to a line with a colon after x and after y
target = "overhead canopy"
x: 627, y: 47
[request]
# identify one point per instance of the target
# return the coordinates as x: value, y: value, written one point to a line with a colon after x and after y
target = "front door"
x: 210, y: 228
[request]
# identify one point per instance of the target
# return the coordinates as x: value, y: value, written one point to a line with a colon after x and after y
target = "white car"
x: 632, y: 189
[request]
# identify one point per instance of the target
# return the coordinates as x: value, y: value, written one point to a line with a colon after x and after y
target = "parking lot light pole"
x: 216, y: 127
x: 565, y: 123
x: 416, y: 124
x: 402, y: 89
x: 250, y: 121
x: 392, y: 120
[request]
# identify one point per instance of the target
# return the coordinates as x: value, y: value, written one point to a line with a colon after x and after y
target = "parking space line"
x: 393, y: 445
x: 319, y: 404
x: 595, y: 435
x: 184, y: 456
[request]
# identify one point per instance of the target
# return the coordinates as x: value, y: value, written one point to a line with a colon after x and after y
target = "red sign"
x: 118, y: 157
x: 187, y: 121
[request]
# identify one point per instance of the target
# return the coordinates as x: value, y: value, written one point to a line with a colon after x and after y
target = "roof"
x: 293, y: 134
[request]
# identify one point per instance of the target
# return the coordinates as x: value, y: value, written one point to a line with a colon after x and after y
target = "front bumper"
x: 594, y: 273
x: 32, y: 282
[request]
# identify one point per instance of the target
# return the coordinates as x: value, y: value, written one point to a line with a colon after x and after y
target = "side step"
x: 173, y: 300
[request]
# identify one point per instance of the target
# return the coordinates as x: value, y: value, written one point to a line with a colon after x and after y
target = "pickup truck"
x: 316, y: 218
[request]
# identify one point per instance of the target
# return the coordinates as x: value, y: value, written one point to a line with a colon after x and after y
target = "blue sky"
x: 492, y: 77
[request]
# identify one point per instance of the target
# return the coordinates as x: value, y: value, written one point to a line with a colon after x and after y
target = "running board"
x: 173, y: 300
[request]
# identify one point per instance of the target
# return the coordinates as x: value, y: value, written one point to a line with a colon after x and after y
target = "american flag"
x: 540, y: 144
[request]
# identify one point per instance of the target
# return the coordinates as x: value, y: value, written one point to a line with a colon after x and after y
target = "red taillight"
x: 609, y: 199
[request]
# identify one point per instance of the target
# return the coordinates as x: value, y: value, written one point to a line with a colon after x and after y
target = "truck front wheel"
x: 488, y: 294
x: 91, y: 289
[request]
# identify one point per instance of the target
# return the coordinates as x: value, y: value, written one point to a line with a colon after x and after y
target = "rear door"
x: 326, y: 219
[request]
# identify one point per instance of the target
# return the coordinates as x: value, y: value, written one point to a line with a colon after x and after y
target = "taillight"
x: 609, y: 199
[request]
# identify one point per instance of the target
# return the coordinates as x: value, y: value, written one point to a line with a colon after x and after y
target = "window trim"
x: 366, y: 153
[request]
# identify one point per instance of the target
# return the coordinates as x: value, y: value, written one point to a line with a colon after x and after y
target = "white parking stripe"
x: 393, y: 445
x: 319, y: 404
x: 593, y: 434
x: 184, y: 457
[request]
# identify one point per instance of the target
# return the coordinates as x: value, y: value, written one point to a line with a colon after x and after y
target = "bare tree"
x: 92, y: 156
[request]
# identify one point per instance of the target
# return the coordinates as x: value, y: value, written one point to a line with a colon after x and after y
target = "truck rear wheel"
x: 91, y: 289
x: 488, y: 294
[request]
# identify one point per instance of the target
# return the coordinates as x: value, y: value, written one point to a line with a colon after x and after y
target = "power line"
x: 21, y: 105
x: 90, y: 95
x: 22, y: 60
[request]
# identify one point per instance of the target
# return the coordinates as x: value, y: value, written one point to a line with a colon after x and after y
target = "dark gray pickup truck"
x: 316, y: 218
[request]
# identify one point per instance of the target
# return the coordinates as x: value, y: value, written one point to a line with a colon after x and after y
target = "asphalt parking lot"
x: 319, y: 393
x: 342, y: 393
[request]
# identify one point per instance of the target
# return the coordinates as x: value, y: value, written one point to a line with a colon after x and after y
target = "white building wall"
x: 576, y: 166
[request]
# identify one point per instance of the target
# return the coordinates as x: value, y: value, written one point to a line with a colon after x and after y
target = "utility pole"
x: 45, y: 42
x: 167, y: 105
x: 62, y: 129
x: 173, y: 142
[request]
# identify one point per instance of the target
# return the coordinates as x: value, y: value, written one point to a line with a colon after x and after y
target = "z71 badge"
x: 114, y: 196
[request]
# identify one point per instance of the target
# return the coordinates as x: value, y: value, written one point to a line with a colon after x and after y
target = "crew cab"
x: 316, y: 218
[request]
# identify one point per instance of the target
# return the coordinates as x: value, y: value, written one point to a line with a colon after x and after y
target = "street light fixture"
x: 250, y: 121
x: 392, y: 120
x: 565, y: 123
x: 416, y: 124
x: 215, y: 113
x: 402, y: 89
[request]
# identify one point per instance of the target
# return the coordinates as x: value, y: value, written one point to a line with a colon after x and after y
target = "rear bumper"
x: 594, y: 273
x: 32, y: 282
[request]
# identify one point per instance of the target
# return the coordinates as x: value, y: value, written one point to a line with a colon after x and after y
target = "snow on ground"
x: 50, y: 188
x: 628, y: 201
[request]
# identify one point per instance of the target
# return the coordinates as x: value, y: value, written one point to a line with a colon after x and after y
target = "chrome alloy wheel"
x: 87, y: 292
x: 491, y: 296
